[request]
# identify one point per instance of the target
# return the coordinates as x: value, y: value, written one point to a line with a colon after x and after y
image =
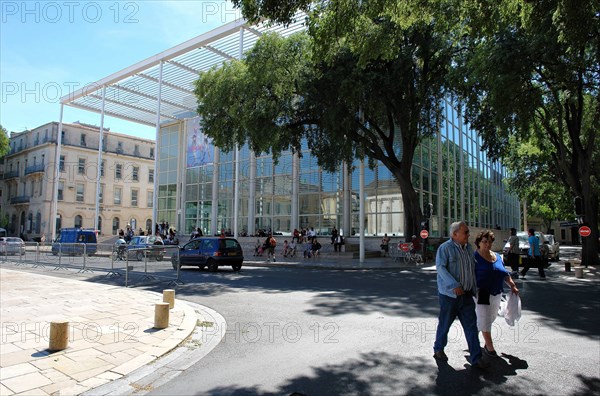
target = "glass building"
x: 200, y: 186
x: 197, y: 185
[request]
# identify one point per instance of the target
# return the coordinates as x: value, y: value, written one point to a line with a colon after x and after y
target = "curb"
x: 205, y: 335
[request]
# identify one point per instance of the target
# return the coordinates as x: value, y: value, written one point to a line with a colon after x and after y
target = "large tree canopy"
x: 532, y: 73
x: 376, y: 99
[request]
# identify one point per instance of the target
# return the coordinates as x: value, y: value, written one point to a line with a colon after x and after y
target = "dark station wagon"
x: 210, y: 252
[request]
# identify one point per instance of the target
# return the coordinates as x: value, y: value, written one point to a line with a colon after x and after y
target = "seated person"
x: 316, y: 248
x: 292, y: 249
x: 285, y: 248
x: 308, y: 249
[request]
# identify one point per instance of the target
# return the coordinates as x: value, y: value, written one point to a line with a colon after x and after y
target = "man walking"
x: 456, y: 288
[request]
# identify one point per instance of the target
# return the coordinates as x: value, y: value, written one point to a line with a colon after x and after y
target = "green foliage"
x: 531, y: 77
x: 4, y: 141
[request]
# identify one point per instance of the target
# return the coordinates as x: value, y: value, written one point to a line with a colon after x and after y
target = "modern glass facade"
x: 450, y: 171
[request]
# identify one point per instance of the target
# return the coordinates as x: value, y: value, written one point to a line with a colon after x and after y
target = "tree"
x: 362, y: 83
x: 4, y: 141
x: 533, y: 70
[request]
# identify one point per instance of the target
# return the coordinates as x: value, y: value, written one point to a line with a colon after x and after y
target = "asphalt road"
x: 320, y: 332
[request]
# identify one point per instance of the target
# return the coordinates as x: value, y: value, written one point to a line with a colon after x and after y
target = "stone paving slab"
x: 111, y: 333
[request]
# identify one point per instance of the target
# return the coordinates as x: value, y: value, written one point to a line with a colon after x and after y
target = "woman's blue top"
x: 490, y: 276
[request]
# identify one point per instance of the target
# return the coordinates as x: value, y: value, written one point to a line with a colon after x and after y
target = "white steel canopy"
x: 133, y: 93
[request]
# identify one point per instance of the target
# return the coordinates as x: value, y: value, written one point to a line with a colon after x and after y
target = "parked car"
x: 210, y: 252
x: 74, y: 241
x: 144, y: 246
x: 553, y: 247
x: 12, y: 246
x: 523, y: 245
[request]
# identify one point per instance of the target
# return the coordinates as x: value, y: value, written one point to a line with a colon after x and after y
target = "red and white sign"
x: 405, y: 247
x: 424, y: 234
x: 585, y: 231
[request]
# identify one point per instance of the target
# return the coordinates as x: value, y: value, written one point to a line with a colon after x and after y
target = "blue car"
x: 75, y: 241
x: 211, y: 252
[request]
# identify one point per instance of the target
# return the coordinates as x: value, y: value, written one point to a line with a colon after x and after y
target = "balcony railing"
x: 34, y: 169
x: 23, y: 199
x: 11, y: 175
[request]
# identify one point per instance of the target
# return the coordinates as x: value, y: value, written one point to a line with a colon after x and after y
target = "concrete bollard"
x: 59, y: 335
x: 169, y: 297
x: 578, y: 272
x: 161, y: 315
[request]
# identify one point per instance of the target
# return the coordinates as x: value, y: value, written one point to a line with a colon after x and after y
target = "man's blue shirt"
x: 448, y: 265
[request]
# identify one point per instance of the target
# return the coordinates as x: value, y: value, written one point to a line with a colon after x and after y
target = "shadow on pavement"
x: 386, y: 374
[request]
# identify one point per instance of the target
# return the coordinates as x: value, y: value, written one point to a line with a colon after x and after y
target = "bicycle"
x: 119, y: 252
x: 406, y: 253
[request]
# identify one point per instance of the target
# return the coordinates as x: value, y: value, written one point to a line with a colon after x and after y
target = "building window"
x: 151, y: 152
x: 115, y: 225
x: 117, y: 196
x: 78, y: 221
x: 81, y: 166
x: 80, y: 191
x: 119, y: 147
x: 150, y: 198
x: 61, y: 163
x: 101, y: 196
x: 102, y: 166
x: 134, y: 197
x: 136, y: 150
x: 136, y: 171
x: 83, y: 143
x: 118, y: 171
x: 150, y: 175
x: 61, y: 186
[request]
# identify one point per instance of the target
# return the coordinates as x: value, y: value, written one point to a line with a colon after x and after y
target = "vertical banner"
x: 199, y: 146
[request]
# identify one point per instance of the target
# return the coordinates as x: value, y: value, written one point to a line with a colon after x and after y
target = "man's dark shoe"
x: 440, y: 355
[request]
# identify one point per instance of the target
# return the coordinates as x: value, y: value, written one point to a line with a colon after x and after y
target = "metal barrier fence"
x: 152, y: 262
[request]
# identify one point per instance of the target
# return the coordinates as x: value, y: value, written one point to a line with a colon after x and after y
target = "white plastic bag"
x: 502, y: 309
x: 513, y: 308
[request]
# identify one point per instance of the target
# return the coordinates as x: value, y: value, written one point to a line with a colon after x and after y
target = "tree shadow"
x: 391, y: 292
x: 381, y: 373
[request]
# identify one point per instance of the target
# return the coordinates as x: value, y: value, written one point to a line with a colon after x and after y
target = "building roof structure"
x: 133, y: 93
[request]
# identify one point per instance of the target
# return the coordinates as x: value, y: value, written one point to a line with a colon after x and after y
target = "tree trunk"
x: 410, y: 200
x: 589, y: 249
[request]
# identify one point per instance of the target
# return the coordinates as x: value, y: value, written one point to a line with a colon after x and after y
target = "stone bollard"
x: 59, y: 335
x: 578, y: 272
x: 161, y: 315
x: 169, y: 297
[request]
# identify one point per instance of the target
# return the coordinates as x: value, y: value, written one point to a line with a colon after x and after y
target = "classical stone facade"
x: 28, y: 179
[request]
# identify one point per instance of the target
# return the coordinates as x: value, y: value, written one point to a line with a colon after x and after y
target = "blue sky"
x: 50, y: 48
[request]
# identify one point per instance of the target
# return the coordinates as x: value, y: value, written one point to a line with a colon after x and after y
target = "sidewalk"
x: 111, y: 333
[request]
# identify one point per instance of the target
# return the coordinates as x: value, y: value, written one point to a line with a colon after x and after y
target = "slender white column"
x: 56, y: 174
x: 347, y: 204
x: 156, y: 153
x: 236, y: 182
x: 99, y: 173
x: 295, y: 223
x: 361, y: 212
x: 252, y: 195
x: 215, y: 193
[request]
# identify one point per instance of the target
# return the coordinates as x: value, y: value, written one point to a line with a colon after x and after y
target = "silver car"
x: 12, y: 246
x: 553, y: 247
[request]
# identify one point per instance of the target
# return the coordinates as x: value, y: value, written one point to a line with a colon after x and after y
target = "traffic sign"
x: 405, y: 247
x: 585, y: 231
x: 424, y: 234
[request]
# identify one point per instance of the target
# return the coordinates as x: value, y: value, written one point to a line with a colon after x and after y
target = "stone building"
x: 28, y: 180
